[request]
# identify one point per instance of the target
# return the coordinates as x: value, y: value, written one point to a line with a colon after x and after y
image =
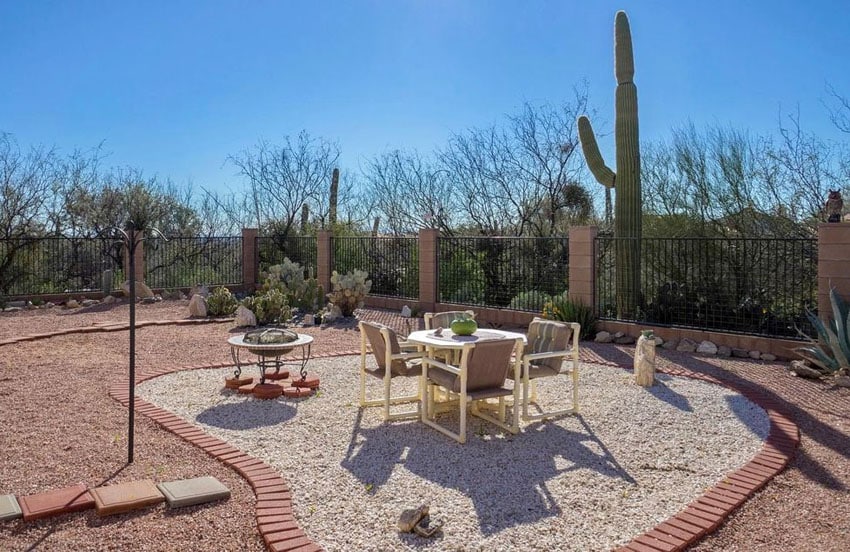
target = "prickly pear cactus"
x: 349, y: 290
x: 626, y: 181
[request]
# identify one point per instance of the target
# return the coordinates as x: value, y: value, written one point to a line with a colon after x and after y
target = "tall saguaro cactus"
x: 626, y: 181
x: 333, y: 198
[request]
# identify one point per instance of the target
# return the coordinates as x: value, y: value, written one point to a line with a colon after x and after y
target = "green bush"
x: 270, y: 307
x: 562, y: 308
x: 221, y: 302
x: 288, y: 277
x: 529, y: 300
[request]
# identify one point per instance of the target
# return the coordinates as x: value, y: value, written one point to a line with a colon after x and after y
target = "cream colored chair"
x: 481, y: 375
x: 393, y: 359
x: 434, y: 320
x: 550, y: 344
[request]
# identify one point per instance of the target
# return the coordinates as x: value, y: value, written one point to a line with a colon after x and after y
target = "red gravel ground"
x: 58, y: 427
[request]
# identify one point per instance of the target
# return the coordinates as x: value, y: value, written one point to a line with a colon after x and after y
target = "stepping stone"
x: 9, y: 508
x: 125, y: 497
x: 188, y: 492
x: 60, y: 501
x: 297, y: 392
x: 310, y: 382
x: 279, y: 376
x: 236, y: 383
x: 268, y: 391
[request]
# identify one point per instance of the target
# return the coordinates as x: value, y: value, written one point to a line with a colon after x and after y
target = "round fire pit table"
x: 269, y: 355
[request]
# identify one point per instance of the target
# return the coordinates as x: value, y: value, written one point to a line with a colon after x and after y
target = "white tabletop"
x: 451, y: 341
x: 239, y: 341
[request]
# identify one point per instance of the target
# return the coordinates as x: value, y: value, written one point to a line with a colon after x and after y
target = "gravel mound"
x: 633, y: 458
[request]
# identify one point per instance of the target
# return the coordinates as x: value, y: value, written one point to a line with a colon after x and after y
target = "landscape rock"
x: 198, y: 306
x: 334, y: 313
x: 109, y: 299
x: 244, y: 316
x: 72, y: 304
x: 150, y: 300
x: 142, y: 289
x: 201, y: 290
x: 740, y: 353
x: 755, y: 355
x: 670, y: 344
x: 658, y: 341
x: 89, y: 302
x: 768, y: 357
x: 799, y: 368
x: 49, y: 305
x: 603, y: 337
x: 12, y: 309
x: 724, y: 351
x: 618, y: 334
x: 687, y: 345
x: 644, y: 364
x: 18, y: 304
x: 405, y: 312
x: 842, y: 381
x: 624, y: 340
x: 707, y: 348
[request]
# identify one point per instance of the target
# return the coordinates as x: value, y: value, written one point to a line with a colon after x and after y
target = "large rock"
x: 18, y: 304
x: 707, y: 348
x: 244, y: 317
x: 72, y: 304
x: 740, y: 353
x: 198, y: 306
x: 670, y: 344
x: 842, y: 381
x: 767, y: 357
x: 142, y: 289
x: 109, y: 299
x: 687, y: 345
x: 724, y: 351
x: 645, y: 361
x: 755, y: 355
x: 334, y: 313
x: 603, y: 337
x: 406, y: 312
x: 624, y: 340
x: 90, y: 302
x: 799, y: 368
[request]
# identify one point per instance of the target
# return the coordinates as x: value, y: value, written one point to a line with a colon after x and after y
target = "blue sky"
x: 174, y: 87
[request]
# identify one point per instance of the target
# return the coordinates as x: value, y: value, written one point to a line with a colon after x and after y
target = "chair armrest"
x: 547, y: 354
x: 407, y: 356
x: 442, y: 365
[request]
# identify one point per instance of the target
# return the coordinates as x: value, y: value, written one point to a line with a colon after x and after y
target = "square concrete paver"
x: 9, y: 508
x: 125, y: 497
x: 188, y: 492
x: 60, y: 501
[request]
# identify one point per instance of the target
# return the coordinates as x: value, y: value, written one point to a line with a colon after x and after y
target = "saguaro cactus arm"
x: 603, y: 174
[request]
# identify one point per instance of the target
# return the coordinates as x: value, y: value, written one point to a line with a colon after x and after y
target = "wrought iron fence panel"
x: 271, y: 250
x: 185, y: 262
x: 391, y: 262
x: 38, y: 266
x: 757, y: 286
x: 502, y: 272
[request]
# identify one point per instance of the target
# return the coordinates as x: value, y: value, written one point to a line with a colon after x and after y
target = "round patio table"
x: 269, y: 355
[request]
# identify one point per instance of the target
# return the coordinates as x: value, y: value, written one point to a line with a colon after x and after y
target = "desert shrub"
x: 302, y: 293
x: 560, y: 307
x: 270, y: 307
x: 830, y: 350
x: 529, y: 300
x: 349, y: 290
x: 221, y: 302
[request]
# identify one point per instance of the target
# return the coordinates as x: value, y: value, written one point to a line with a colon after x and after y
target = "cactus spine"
x: 627, y: 209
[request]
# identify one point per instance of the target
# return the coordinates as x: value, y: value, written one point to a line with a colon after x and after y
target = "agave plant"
x: 831, y: 350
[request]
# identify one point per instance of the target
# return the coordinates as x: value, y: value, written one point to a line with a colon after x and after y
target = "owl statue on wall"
x: 834, y: 204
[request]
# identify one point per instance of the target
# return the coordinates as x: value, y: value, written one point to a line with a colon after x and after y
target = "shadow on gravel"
x: 663, y: 393
x: 506, y: 483
x: 249, y: 414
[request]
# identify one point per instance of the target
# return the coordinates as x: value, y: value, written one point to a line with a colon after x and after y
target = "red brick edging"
x: 276, y: 521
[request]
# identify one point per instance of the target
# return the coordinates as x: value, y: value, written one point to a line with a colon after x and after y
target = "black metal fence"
x: 37, y: 266
x: 271, y: 250
x: 184, y: 262
x: 392, y: 263
x: 752, y: 286
x: 516, y: 273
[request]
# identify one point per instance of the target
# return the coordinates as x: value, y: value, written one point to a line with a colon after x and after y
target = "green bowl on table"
x: 464, y: 326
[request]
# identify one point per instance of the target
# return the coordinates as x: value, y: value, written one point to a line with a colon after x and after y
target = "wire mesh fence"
x: 501, y: 272
x: 271, y: 250
x: 391, y: 262
x: 754, y: 286
x: 38, y: 266
x: 185, y: 262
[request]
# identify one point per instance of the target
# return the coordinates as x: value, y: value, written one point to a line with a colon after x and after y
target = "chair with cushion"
x: 393, y: 359
x: 480, y: 375
x: 550, y: 344
x: 434, y: 320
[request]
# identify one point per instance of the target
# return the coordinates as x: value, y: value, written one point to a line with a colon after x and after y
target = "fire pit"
x: 270, y: 345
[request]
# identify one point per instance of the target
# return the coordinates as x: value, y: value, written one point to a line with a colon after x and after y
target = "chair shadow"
x: 233, y: 415
x: 505, y: 478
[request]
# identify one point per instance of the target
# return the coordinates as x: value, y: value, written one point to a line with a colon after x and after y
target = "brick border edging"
x: 276, y: 521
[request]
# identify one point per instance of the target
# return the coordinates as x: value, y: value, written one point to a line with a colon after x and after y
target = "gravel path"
x: 633, y: 458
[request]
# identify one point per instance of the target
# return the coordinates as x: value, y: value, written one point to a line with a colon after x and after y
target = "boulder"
x: 334, y: 312
x: 645, y: 361
x: 618, y: 334
x: 12, y: 309
x: 72, y: 304
x: 842, y: 381
x: 142, y: 289
x: 149, y: 300
x: 18, y: 304
x: 755, y: 355
x: 800, y: 368
x: 687, y: 345
x: 49, y: 305
x: 658, y: 341
x: 244, y: 316
x: 740, y: 353
x: 603, y: 337
x: 109, y: 299
x: 198, y: 306
x: 89, y: 302
x: 724, y: 351
x: 670, y: 344
x: 707, y: 348
x: 767, y: 357
x: 624, y: 340
x: 406, y: 312
x: 201, y: 290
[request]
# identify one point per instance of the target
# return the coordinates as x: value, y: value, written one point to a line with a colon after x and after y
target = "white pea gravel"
x: 633, y: 458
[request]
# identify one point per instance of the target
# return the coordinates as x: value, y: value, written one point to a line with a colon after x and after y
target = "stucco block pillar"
x: 250, y: 270
x: 428, y: 269
x: 324, y: 259
x: 139, y: 259
x: 582, y: 272
x: 833, y: 264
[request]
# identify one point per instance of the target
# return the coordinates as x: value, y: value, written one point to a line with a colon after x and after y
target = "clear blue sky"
x: 174, y: 87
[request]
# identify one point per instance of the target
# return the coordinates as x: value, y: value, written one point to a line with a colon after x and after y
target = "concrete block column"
x: 324, y: 259
x: 428, y: 280
x: 582, y: 272
x: 250, y: 259
x: 833, y: 264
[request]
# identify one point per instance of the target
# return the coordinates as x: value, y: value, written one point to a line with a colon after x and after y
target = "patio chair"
x: 550, y: 344
x: 434, y: 320
x: 394, y: 359
x: 481, y: 375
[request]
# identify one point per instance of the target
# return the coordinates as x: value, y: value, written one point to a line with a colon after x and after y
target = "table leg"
x: 305, y: 356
